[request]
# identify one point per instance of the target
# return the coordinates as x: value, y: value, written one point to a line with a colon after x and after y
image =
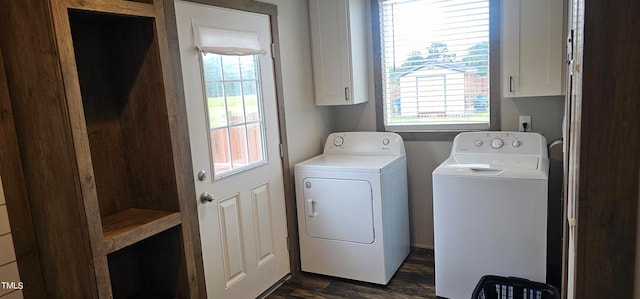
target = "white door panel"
x: 233, y: 128
x: 232, y: 245
x: 261, y: 200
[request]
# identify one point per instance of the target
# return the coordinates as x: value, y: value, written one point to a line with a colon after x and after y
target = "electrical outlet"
x: 524, y: 119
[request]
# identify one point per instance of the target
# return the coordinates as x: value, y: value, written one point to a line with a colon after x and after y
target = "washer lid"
x: 350, y: 163
x: 498, y: 166
x: 494, y: 161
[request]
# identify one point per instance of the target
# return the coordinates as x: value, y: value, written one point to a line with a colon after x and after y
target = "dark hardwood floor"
x: 414, y: 279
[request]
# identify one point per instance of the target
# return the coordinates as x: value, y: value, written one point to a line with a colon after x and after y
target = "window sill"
x: 429, y: 136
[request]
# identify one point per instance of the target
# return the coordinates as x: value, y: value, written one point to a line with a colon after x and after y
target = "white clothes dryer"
x: 352, y: 202
x: 490, y: 210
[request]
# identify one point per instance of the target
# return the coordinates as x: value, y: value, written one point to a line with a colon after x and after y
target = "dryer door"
x: 339, y: 209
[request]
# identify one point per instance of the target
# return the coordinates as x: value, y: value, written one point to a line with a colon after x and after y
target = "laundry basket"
x: 498, y: 287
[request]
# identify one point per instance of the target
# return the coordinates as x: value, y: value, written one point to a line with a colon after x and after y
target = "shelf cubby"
x: 125, y: 113
x: 151, y: 268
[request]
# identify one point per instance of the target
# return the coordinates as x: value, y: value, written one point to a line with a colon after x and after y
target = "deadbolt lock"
x: 202, y: 175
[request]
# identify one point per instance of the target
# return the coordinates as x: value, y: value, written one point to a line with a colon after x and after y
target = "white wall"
x: 546, y: 115
x: 422, y: 158
x: 307, y: 125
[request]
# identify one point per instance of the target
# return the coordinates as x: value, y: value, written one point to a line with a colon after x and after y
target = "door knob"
x: 206, y: 197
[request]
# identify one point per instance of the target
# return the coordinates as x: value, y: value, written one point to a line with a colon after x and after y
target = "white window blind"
x: 210, y: 39
x: 435, y: 64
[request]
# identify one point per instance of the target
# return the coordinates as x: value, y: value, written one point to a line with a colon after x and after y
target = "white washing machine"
x: 353, y: 217
x: 490, y: 210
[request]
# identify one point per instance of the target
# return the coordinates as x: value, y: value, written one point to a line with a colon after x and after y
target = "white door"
x: 233, y: 130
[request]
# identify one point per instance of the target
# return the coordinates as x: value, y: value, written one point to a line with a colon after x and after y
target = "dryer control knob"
x: 516, y: 143
x: 478, y: 143
x: 497, y: 143
x: 338, y: 141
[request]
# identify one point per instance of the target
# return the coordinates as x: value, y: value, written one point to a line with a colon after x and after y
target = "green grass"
x: 218, y: 113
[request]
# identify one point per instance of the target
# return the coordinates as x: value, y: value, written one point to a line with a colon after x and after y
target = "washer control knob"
x: 338, y: 141
x: 497, y: 143
x: 385, y: 141
x: 516, y: 143
x: 478, y: 143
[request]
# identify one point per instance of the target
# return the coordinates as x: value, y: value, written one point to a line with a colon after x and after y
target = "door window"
x: 233, y: 105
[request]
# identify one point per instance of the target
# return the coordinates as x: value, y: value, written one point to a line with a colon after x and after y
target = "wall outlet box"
x: 524, y: 119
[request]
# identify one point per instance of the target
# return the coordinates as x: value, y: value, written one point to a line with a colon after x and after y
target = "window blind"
x: 210, y: 39
x: 435, y: 64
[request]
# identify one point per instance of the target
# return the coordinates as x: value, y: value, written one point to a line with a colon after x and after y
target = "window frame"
x: 494, y: 78
x: 229, y: 125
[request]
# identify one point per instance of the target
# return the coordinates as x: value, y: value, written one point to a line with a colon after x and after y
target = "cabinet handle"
x: 510, y: 83
x: 346, y: 93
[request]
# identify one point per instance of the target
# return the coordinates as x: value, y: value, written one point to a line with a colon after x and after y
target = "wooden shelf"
x: 142, y: 8
x: 132, y: 225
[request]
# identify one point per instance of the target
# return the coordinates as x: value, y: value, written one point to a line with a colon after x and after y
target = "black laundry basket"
x: 498, y: 287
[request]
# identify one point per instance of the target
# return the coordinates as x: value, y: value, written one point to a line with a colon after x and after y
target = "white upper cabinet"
x: 532, y: 48
x: 339, y: 52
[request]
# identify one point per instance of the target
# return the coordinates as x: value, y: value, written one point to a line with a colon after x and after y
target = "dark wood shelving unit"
x: 147, y: 268
x: 100, y: 134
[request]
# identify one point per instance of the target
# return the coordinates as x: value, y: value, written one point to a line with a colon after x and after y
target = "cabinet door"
x: 338, y: 44
x: 532, y: 48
